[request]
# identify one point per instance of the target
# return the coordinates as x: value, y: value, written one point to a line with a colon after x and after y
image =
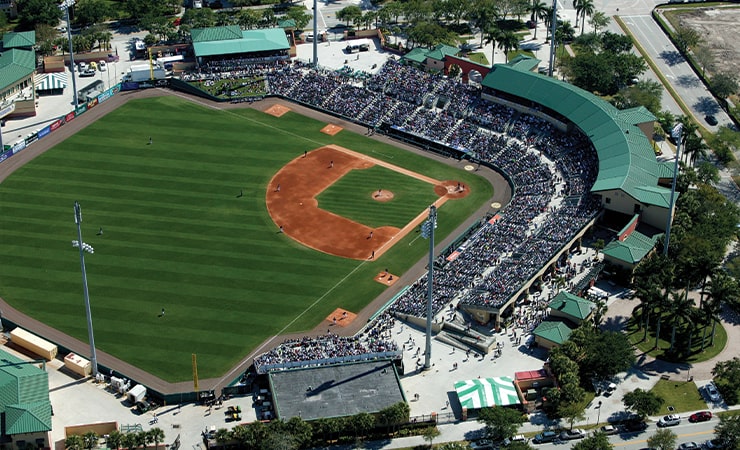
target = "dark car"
x: 545, y: 436
x: 711, y: 120
x: 701, y: 416
x: 635, y: 425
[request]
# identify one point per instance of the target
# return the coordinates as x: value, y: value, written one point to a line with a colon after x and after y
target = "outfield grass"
x: 176, y: 236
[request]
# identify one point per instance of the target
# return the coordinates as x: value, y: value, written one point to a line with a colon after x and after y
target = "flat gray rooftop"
x: 335, y: 391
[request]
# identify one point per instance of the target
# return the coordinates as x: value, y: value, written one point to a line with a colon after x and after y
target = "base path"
x: 291, y: 202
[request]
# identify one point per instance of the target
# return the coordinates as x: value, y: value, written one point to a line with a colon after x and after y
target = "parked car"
x: 711, y: 120
x: 714, y: 444
x: 689, y: 446
x: 143, y: 406
x: 712, y: 392
x: 575, y: 433
x: 609, y: 430
x: 481, y: 444
x: 545, y: 436
x: 88, y: 73
x: 635, y: 425
x: 517, y: 438
x: 701, y: 416
x: 102, y: 66
x: 669, y: 420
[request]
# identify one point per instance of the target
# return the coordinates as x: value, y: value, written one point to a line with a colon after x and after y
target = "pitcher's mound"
x: 331, y: 129
x: 382, y: 195
x: 341, y: 317
x: 277, y: 110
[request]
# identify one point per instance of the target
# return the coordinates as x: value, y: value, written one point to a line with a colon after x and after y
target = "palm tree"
x: 723, y: 288
x: 128, y: 441
x: 679, y: 309
x: 599, y: 20
x: 492, y: 34
x: 114, y: 439
x: 587, y: 9
x: 577, y: 7
x: 508, y: 41
x: 538, y: 9
x: 74, y: 442
x: 156, y: 435
x: 662, y: 300
x: 222, y: 436
x: 90, y: 439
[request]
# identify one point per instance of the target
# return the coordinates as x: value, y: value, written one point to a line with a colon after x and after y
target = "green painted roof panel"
x: 16, y: 64
x: 225, y: 33
x: 555, y: 331
x: 267, y: 39
x: 631, y: 250
x: 572, y: 305
x: 19, y: 39
x: 28, y: 418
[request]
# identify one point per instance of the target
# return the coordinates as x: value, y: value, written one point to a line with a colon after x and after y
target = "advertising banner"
x: 44, y: 131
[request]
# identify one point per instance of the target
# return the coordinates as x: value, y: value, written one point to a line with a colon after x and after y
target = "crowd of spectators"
x: 552, y: 173
x: 375, y: 339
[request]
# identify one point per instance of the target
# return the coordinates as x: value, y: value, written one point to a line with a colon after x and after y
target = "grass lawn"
x: 351, y: 197
x: 478, y: 57
x: 664, y: 343
x: 177, y: 236
x: 681, y: 395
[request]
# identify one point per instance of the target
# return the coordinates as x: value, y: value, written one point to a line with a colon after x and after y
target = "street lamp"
x: 598, y: 414
x: 79, y: 243
x: 65, y: 5
x: 427, y: 232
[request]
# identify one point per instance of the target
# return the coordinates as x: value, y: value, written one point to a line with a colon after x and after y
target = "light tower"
x: 65, y: 5
x: 427, y: 232
x: 79, y: 243
x: 553, y: 43
x: 676, y: 133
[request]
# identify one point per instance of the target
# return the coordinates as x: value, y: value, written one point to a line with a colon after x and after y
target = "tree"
x: 679, y: 309
x: 723, y: 288
x: 686, y: 38
x: 609, y: 353
x: 299, y: 14
x: 491, y: 35
x: 599, y: 20
x: 587, y: 10
x: 645, y: 93
x: 140, y: 8
x: 538, y: 9
x: 501, y: 423
x: 728, y: 430
x: 74, y: 442
x: 300, y: 430
x: 703, y: 55
x: 572, y: 412
x: 156, y: 435
x: 361, y: 423
x: 35, y: 12
x: 430, y: 434
x: 663, y: 439
x: 128, y: 441
x: 642, y: 403
x: 114, y: 439
x: 724, y: 84
x: 349, y: 14
x: 508, y: 41
x: 90, y: 439
x: 89, y: 12
x: 599, y: 441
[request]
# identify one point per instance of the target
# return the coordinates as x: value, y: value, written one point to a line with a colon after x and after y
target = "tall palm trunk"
x: 657, y: 328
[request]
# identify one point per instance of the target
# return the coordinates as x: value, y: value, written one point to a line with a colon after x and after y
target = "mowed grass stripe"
x: 176, y: 236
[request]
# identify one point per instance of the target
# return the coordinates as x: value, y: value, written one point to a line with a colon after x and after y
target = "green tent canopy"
x: 487, y: 392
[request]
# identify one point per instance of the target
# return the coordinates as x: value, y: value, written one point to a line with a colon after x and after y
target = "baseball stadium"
x: 222, y: 230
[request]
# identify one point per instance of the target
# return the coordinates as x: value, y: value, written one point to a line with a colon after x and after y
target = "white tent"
x: 136, y: 393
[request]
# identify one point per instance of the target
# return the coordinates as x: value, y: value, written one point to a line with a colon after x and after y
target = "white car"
x: 669, y: 420
x: 102, y: 66
x: 712, y: 392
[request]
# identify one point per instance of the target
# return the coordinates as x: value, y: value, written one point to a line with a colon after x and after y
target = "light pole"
x: 79, y: 243
x: 65, y: 5
x: 598, y: 414
x: 427, y: 232
x: 676, y: 133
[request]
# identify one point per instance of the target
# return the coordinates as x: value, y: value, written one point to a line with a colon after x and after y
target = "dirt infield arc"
x: 291, y: 202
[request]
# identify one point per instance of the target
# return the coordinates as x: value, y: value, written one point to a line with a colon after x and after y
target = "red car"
x: 701, y: 416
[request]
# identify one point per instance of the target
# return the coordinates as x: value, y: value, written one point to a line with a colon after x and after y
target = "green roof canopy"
x: 21, y: 39
x: 631, y: 250
x: 487, y: 392
x: 16, y: 64
x: 626, y: 157
x: 555, y: 331
x: 224, y: 40
x: 24, y: 396
x: 572, y: 305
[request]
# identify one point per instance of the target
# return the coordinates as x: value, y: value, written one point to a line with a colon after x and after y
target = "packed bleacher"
x: 551, y: 172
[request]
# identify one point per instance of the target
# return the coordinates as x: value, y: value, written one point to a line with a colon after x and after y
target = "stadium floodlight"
x: 85, y: 248
x: 427, y: 232
x: 65, y: 5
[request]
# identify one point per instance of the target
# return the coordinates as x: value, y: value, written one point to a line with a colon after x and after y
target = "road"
x: 676, y: 70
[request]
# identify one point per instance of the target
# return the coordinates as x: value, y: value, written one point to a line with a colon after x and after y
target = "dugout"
x: 338, y: 390
x: 33, y: 343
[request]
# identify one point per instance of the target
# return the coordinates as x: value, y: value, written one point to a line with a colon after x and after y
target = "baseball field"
x: 189, y: 226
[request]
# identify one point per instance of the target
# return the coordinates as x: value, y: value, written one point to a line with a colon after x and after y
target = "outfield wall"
x: 23, y: 143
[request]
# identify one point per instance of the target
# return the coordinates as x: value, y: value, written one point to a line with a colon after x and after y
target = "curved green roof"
x: 233, y: 40
x: 626, y: 157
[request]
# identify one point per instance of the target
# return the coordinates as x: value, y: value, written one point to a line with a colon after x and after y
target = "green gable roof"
x: 15, y: 65
x: 555, y: 331
x: 637, y: 115
x: 631, y: 250
x: 417, y: 55
x: 572, y: 305
x: 286, y: 23
x: 19, y: 39
x: 523, y: 62
x: 626, y: 158
x: 249, y: 41
x: 28, y: 418
x: 224, y: 33
x: 665, y: 169
x: 439, y: 52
